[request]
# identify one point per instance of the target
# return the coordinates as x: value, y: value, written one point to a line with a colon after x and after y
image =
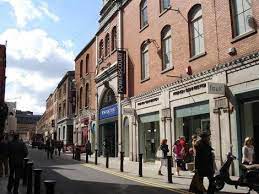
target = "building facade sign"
x: 216, y: 88
x: 121, y: 69
x: 109, y: 112
x: 129, y: 111
x: 189, y: 89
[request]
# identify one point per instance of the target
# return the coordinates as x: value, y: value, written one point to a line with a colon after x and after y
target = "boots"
x: 159, y: 173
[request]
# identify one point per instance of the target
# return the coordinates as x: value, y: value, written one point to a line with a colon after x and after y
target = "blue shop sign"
x: 109, y: 111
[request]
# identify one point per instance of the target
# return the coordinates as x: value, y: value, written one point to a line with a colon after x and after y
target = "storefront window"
x: 192, y: 119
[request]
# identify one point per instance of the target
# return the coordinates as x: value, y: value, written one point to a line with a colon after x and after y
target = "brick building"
x: 66, y: 94
x: 190, y: 66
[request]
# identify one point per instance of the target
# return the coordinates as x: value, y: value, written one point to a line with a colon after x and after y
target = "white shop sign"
x: 128, y: 111
x: 216, y: 88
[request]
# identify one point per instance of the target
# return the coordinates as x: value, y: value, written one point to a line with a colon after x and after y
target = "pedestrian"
x: 165, y: 150
x: 88, y: 148
x: 3, y: 156
x: 107, y: 147
x: 62, y: 146
x: 192, y: 151
x: 248, y: 152
x: 50, y: 148
x: 178, y: 150
x: 59, y: 147
x: 204, y: 165
x: 17, y: 151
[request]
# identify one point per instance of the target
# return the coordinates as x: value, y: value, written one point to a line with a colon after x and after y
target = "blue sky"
x: 44, y: 36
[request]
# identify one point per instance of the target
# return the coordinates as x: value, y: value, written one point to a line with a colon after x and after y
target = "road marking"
x: 137, y: 179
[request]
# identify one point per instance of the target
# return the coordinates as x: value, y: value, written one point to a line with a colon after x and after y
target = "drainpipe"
x: 97, y: 108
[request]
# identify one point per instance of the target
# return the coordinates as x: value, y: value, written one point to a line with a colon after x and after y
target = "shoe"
x: 159, y: 173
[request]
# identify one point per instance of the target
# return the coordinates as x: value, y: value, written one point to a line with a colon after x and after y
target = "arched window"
x: 166, y: 47
x: 107, y: 44
x: 164, y: 4
x: 114, y: 38
x: 143, y: 14
x: 86, y: 95
x: 241, y: 15
x: 144, y: 62
x: 86, y: 63
x: 81, y: 68
x: 80, y: 98
x: 196, y: 31
x: 101, y: 49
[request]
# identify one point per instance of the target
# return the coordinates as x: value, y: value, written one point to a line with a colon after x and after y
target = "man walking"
x: 17, y: 151
x: 3, y: 156
x: 50, y: 148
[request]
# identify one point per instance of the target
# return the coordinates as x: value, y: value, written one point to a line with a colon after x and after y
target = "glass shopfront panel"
x: 192, y: 119
x: 149, y: 135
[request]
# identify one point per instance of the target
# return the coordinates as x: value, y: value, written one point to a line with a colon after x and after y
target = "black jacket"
x: 204, y: 159
x: 17, y: 151
x: 165, y: 150
x: 3, y: 149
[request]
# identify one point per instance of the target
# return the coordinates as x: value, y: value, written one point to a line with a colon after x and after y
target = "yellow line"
x: 160, y: 185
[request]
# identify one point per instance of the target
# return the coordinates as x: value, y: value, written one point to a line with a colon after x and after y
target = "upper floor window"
x: 196, y: 31
x: 164, y: 4
x: 101, y: 49
x: 80, y: 98
x: 144, y: 62
x: 107, y: 44
x: 114, y: 38
x: 64, y: 88
x: 166, y: 48
x: 241, y: 13
x: 143, y: 13
x: 81, y: 68
x: 86, y: 63
x: 86, y: 94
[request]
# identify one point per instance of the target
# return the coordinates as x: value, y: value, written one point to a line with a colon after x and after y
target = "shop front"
x: 149, y: 135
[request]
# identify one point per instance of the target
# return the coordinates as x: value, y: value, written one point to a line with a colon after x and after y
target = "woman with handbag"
x: 164, y: 149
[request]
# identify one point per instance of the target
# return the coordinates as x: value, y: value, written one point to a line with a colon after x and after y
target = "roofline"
x: 69, y: 73
x: 85, y: 48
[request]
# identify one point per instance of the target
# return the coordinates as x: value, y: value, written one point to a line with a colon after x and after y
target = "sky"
x: 43, y: 38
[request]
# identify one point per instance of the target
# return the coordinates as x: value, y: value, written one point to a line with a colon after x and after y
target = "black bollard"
x: 50, y: 186
x: 140, y: 165
x: 73, y: 151
x: 122, y: 159
x: 107, y: 160
x: 25, y: 171
x: 37, y: 180
x: 96, y: 156
x: 86, y: 157
x: 29, y: 179
x: 169, y: 169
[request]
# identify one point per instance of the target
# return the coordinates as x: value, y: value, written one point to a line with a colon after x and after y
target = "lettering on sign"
x: 190, y: 89
x: 148, y: 101
x: 128, y: 111
x: 121, y: 70
x: 221, y: 103
x: 216, y: 88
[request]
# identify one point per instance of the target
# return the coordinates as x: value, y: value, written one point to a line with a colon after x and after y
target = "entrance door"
x: 151, y: 143
x: 256, y: 130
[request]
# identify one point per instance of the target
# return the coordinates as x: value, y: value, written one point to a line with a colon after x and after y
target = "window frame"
x: 81, y: 68
x: 86, y: 94
x: 143, y: 9
x: 144, y: 64
x: 86, y: 63
x: 107, y: 45
x: 162, y: 3
x: 166, y: 34
x: 114, y: 39
x: 101, y: 49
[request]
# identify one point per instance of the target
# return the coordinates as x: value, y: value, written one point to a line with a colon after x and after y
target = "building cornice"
x: 103, y: 75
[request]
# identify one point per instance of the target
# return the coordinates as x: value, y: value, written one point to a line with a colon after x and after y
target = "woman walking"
x: 178, y: 150
x: 165, y: 150
x: 248, y: 152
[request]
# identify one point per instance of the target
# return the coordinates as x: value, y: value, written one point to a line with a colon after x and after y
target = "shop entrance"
x: 250, y: 122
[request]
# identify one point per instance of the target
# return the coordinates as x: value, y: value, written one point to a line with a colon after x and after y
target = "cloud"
x: 35, y: 64
x: 26, y: 11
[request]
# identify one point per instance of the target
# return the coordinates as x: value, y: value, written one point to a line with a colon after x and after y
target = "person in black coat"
x: 204, y: 160
x: 17, y: 151
x: 165, y: 150
x: 3, y: 156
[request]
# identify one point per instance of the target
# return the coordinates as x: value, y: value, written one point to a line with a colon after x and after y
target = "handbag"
x: 196, y: 185
x: 159, y: 153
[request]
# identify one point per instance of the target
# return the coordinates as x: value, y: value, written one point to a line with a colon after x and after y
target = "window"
x: 166, y: 48
x: 144, y: 62
x: 241, y: 13
x: 86, y: 94
x: 143, y: 14
x: 81, y: 68
x: 164, y: 4
x: 86, y: 63
x: 80, y: 98
x: 107, y: 44
x: 101, y: 49
x: 64, y: 88
x: 196, y: 31
x: 114, y: 38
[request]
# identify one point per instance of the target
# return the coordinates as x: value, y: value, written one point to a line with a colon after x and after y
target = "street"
x: 72, y: 177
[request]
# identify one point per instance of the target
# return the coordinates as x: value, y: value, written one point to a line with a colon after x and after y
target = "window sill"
x: 242, y: 36
x: 144, y: 80
x: 165, y: 10
x: 166, y: 70
x: 143, y: 28
x: 197, y: 56
x: 114, y: 50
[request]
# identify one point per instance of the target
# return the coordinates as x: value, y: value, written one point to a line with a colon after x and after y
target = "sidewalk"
x: 150, y: 173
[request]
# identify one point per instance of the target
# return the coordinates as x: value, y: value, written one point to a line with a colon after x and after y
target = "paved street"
x: 72, y: 177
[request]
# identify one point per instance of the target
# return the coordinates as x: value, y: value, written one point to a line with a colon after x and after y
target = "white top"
x: 248, y: 154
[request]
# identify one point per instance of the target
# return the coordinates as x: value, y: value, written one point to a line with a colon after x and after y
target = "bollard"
x: 86, y: 157
x: 73, y: 151
x: 107, y: 160
x: 37, y: 180
x: 29, y: 178
x: 50, y: 186
x: 96, y: 156
x: 169, y: 169
x: 25, y: 171
x: 140, y: 165
x: 122, y: 159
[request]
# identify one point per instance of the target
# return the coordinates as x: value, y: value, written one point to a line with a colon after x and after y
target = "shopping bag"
x: 159, y: 153
x: 197, y: 184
